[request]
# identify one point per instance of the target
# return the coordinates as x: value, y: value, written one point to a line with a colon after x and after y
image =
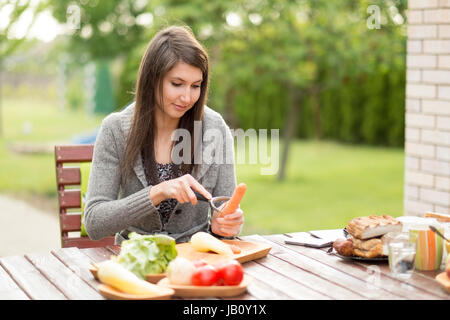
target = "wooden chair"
x: 71, y: 198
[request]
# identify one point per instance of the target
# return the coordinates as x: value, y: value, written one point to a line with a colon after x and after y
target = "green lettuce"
x: 147, y: 254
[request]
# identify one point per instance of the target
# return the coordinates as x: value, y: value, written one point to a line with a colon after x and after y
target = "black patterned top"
x: 166, y: 171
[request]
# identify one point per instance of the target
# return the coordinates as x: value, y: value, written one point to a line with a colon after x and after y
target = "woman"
x: 134, y: 183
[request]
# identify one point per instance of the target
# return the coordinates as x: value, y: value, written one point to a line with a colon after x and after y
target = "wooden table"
x: 288, y: 273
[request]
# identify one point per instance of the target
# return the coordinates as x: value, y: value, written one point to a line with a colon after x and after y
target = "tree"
x: 313, y: 68
x: 105, y: 29
x: 315, y: 46
x: 102, y: 31
x: 292, y: 45
x: 295, y: 51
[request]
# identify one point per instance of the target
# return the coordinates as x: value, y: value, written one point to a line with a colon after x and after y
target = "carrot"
x: 235, y: 249
x: 233, y: 204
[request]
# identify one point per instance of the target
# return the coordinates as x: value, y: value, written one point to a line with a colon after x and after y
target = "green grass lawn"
x: 326, y: 183
x: 34, y: 174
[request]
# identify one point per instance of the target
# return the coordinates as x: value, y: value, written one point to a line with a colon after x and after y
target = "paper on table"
x: 305, y: 239
x: 330, y: 235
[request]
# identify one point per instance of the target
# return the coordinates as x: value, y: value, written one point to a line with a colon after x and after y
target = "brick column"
x: 427, y: 136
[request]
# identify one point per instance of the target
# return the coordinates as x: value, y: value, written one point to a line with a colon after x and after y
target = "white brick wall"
x: 419, y: 120
x: 443, y: 153
x: 436, y: 76
x: 427, y: 133
x: 420, y: 90
x: 443, y: 183
x: 436, y: 16
x: 436, y: 137
x: 436, y: 46
x: 422, y: 32
x: 414, y: 178
x: 444, y: 92
x: 444, y: 61
x: 421, y: 4
x: 420, y: 150
x: 414, y: 46
x: 411, y: 163
x: 443, y: 123
x: 444, y: 32
x: 437, y: 107
x: 421, y: 61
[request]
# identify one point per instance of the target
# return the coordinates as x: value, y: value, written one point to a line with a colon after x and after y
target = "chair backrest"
x: 71, y: 198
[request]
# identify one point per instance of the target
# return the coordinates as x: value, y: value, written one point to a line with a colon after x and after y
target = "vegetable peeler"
x: 215, y: 202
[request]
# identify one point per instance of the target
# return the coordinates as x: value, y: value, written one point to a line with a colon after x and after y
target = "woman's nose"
x: 186, y: 96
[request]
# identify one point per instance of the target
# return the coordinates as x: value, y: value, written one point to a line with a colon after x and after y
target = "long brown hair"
x: 168, y: 47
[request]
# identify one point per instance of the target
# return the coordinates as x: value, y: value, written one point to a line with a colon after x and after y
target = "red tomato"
x: 230, y: 272
x: 205, y: 275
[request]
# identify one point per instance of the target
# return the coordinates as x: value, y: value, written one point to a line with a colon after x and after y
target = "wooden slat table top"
x: 288, y: 272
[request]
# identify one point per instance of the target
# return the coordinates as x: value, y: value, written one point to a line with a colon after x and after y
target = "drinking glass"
x: 402, y: 255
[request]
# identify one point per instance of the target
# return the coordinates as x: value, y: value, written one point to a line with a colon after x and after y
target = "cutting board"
x: 207, y: 291
x: 444, y: 281
x: 249, y: 251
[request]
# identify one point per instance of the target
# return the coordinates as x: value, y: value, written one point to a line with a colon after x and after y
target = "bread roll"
x: 343, y: 247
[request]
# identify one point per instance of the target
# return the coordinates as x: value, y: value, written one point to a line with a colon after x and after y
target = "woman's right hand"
x: 179, y: 189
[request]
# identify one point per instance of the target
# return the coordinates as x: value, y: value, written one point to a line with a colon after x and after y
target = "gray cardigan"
x: 115, y: 207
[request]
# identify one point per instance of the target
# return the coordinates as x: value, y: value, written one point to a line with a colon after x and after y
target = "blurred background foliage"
x: 322, y: 71
x: 269, y: 57
x: 315, y: 68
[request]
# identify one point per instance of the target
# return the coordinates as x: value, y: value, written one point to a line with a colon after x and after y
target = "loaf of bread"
x: 370, y: 248
x: 373, y: 226
x: 375, y: 252
x: 366, y: 244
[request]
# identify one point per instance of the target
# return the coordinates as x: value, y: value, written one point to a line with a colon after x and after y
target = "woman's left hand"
x: 227, y: 225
